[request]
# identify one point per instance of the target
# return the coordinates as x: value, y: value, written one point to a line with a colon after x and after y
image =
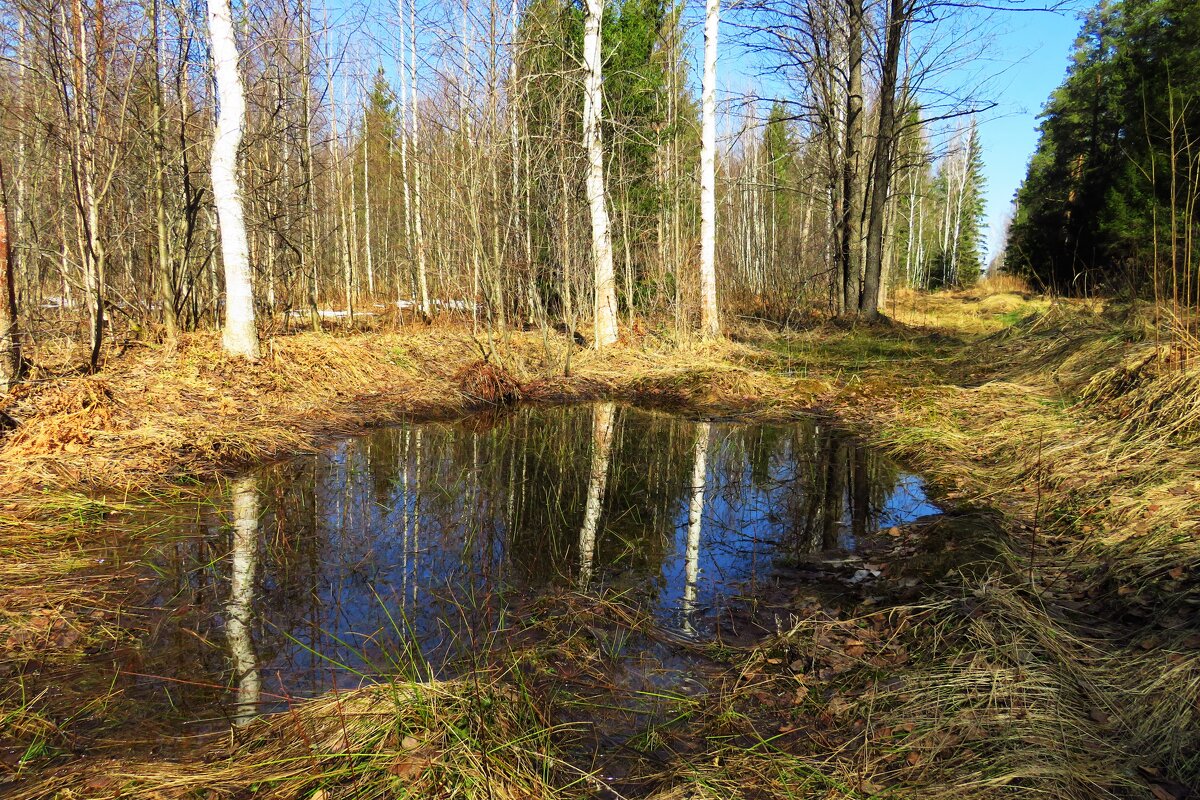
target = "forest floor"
x: 1065, y: 662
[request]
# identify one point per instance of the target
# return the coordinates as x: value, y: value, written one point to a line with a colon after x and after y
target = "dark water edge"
x: 417, y: 548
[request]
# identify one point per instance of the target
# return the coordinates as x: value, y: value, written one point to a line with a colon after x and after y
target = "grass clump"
x: 397, y: 740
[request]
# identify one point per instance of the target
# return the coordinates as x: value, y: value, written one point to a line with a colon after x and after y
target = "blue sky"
x: 1033, y: 52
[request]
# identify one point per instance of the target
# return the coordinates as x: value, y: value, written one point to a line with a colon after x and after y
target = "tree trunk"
x: 710, y: 323
x: 19, y: 253
x: 308, y: 250
x: 10, y: 341
x: 851, y: 168
x: 884, y: 145
x: 403, y: 134
x: 166, y: 273
x: 422, y: 275
x: 605, y: 309
x: 239, y: 336
x: 368, y: 260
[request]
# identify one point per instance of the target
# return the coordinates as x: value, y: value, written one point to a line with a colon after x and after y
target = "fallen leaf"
x: 410, y: 766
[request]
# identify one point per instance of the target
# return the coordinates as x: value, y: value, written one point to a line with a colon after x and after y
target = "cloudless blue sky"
x: 1034, y: 52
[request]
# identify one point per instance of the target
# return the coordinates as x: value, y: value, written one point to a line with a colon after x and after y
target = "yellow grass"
x: 1069, y: 668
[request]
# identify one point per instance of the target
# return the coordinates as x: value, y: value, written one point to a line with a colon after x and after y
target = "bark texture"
x: 605, y: 310
x: 239, y: 335
x: 10, y: 341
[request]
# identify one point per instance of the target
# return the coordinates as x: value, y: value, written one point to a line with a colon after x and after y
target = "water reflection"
x: 413, y: 544
x: 603, y: 416
x: 691, y: 551
x: 239, y: 612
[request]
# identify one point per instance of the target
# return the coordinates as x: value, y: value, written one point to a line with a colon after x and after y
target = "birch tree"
x: 239, y: 336
x: 710, y: 323
x: 414, y: 132
x: 605, y: 304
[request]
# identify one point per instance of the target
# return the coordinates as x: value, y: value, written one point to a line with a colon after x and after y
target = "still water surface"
x: 414, y: 545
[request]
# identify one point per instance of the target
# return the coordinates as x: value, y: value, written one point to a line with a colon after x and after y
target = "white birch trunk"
x: 710, y: 324
x: 422, y: 274
x: 239, y: 336
x: 18, y: 221
x: 605, y: 304
x: 404, y: 183
x: 369, y: 261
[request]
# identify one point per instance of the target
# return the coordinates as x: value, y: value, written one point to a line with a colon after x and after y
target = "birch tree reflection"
x: 691, y: 567
x: 240, y: 611
x: 603, y: 420
x: 406, y: 546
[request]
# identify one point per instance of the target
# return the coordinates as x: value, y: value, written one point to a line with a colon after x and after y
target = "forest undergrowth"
x: 1060, y: 659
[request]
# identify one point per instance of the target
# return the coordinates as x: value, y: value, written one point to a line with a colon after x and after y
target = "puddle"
x: 417, y: 545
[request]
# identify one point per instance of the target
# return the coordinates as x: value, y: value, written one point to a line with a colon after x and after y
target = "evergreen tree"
x: 640, y: 73
x: 1110, y: 195
x: 783, y: 155
x: 968, y: 260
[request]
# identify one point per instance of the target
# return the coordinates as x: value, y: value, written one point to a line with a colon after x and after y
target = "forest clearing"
x: 1058, y: 655
x: 599, y: 399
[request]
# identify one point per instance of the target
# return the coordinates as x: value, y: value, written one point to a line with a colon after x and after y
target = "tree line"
x: 1111, y: 201
x: 169, y: 167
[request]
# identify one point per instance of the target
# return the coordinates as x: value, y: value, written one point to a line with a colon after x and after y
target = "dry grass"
x: 1002, y: 283
x: 986, y: 308
x: 467, y: 740
x: 168, y: 415
x: 1000, y: 699
x: 1068, y: 668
